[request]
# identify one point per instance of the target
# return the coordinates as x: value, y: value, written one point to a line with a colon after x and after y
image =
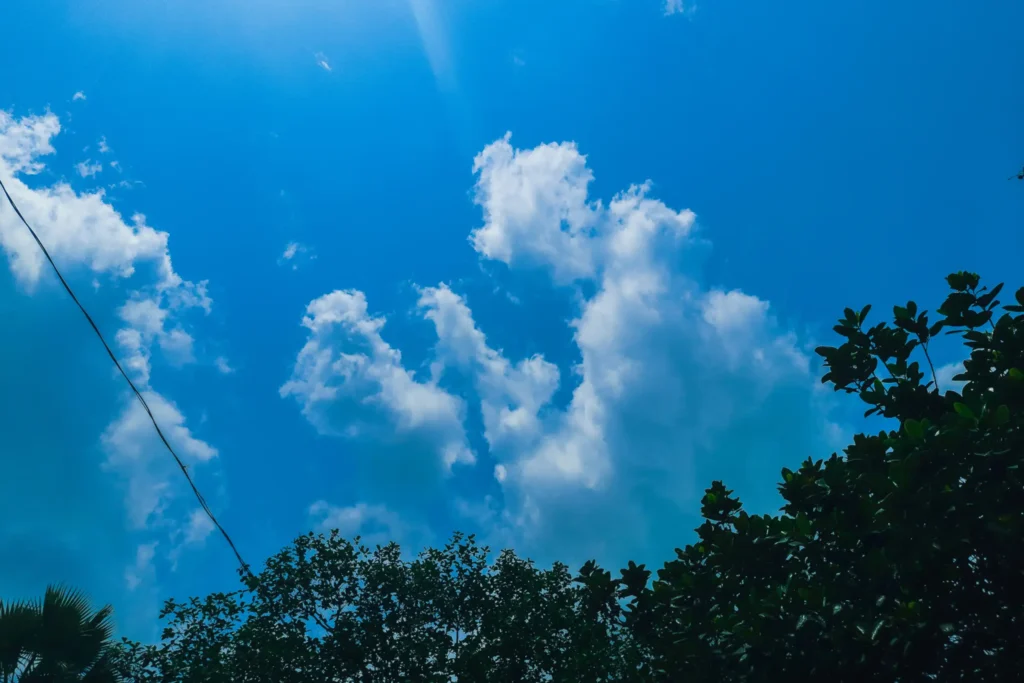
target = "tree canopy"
x: 326, y: 609
x: 899, y: 560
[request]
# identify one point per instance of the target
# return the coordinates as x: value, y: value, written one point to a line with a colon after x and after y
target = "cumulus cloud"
x: 150, y: 319
x: 81, y: 230
x: 672, y: 375
x: 136, y: 454
x: 103, y: 146
x: 511, y: 395
x: 90, y: 239
x: 347, y: 379
x: 556, y: 178
x: 78, y: 96
x: 223, y: 366
x: 676, y: 383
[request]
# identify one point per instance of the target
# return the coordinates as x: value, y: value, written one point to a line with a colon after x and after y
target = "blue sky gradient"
x: 357, y: 303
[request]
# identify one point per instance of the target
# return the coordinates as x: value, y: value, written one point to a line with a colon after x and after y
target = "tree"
x: 899, y: 561
x: 325, y: 609
x: 58, y: 640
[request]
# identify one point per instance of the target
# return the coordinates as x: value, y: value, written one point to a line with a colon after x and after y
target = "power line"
x: 184, y: 470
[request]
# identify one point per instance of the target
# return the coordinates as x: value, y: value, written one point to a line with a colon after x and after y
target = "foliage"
x: 58, y: 640
x: 901, y: 561
x: 326, y: 609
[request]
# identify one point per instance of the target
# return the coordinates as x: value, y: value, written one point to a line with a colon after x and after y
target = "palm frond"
x: 20, y: 625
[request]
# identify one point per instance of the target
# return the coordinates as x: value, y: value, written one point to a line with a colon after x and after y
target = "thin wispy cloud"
x: 103, y: 146
x: 78, y: 96
x: 321, y: 61
x: 674, y: 7
x: 294, y: 254
x: 88, y: 168
x: 222, y: 365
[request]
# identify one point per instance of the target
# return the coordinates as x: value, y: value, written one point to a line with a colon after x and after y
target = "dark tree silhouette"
x: 58, y: 640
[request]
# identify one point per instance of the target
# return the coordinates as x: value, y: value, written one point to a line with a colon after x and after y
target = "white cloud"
x: 346, y: 372
x: 199, y: 527
x: 223, y: 366
x: 87, y: 168
x: 349, y: 520
x: 177, y: 346
x: 147, y: 317
x: 670, y: 373
x: 294, y: 253
x: 321, y: 61
x: 535, y: 208
x: 90, y: 239
x: 511, y: 396
x: 674, y: 7
x: 944, y: 376
x: 136, y: 454
x: 103, y: 146
x: 78, y: 96
x: 81, y: 230
x: 671, y: 377
x: 374, y: 524
x: 676, y: 383
x: 142, y: 569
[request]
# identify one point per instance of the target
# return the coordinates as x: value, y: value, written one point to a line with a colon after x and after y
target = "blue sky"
x: 356, y: 302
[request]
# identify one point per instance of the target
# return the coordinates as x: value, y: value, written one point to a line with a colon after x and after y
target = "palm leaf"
x: 74, y: 637
x: 20, y: 625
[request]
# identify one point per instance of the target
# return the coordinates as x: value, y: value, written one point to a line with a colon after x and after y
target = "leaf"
x: 1002, y: 415
x: 987, y: 299
x: 1019, y: 296
x: 1016, y: 374
x: 864, y: 313
x: 914, y: 429
x: 964, y: 411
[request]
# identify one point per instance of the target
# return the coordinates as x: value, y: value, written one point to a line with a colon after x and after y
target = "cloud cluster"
x: 87, y: 237
x: 347, y: 375
x: 675, y: 381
